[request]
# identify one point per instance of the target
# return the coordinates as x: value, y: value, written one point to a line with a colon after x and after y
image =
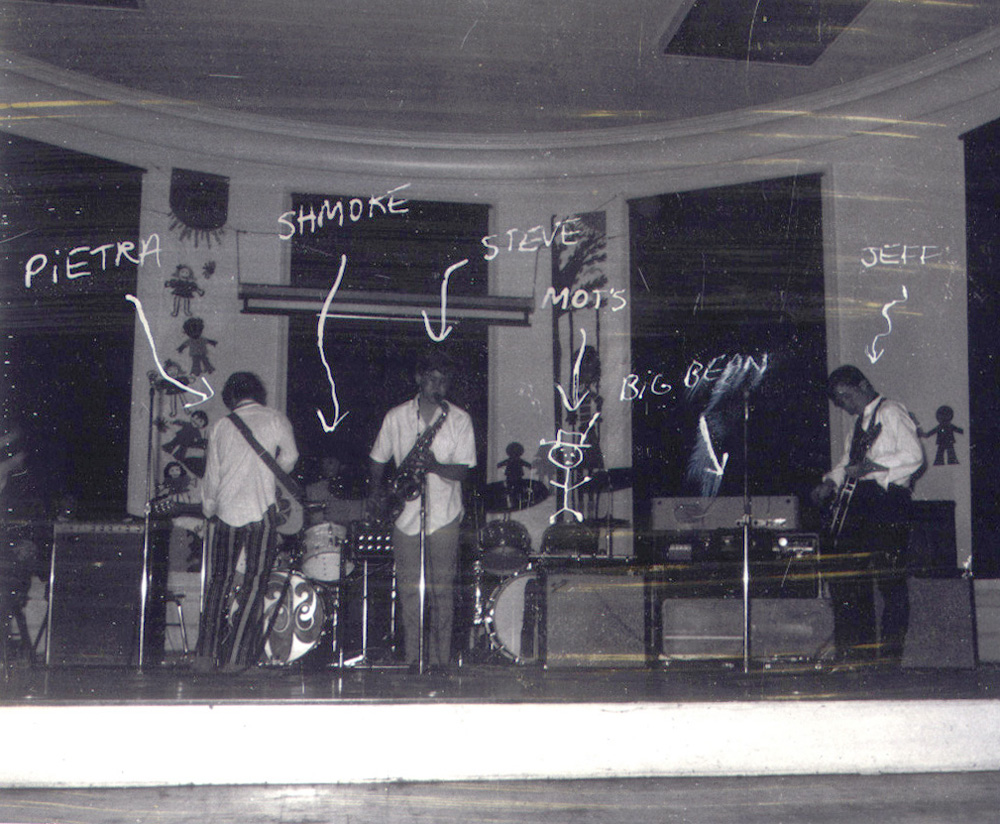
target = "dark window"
x: 732, y: 278
x: 373, y: 361
x: 68, y: 345
x: 401, y: 251
x: 982, y: 186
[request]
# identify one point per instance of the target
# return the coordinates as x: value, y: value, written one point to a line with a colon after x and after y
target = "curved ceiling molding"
x: 953, y: 90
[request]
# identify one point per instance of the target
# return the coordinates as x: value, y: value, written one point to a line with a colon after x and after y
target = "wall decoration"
x: 945, y: 434
x: 199, y: 205
x: 183, y: 287
x: 197, y: 347
x: 188, y: 444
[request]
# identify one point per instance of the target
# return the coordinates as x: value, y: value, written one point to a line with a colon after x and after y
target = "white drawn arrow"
x: 575, y: 386
x: 445, y: 330
x: 872, y: 353
x: 718, y: 468
x: 152, y: 345
x: 320, y: 327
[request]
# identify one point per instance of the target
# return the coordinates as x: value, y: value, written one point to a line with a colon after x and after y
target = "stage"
x: 678, y: 742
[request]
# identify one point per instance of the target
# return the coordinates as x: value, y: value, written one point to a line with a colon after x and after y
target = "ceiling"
x: 472, y: 66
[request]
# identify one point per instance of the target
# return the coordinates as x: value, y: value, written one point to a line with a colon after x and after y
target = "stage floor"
x: 700, y: 742
x: 675, y: 681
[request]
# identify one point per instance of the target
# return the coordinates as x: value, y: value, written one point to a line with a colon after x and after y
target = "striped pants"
x: 238, y: 566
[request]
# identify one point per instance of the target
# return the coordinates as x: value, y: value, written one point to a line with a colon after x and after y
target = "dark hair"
x: 435, y: 360
x: 243, y: 386
x: 846, y: 375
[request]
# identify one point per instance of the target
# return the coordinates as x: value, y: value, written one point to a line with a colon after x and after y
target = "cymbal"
x: 499, y: 497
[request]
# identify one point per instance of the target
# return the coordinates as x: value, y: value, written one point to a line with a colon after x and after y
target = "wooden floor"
x: 966, y: 798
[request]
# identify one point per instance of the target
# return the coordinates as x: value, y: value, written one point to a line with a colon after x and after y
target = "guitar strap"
x: 287, y: 480
x: 862, y: 440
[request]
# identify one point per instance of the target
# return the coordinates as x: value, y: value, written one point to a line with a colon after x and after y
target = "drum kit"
x: 510, y: 618
x: 304, y: 595
x: 301, y: 595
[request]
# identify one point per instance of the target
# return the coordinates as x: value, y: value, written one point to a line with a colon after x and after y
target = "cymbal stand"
x: 478, y: 608
x: 362, y: 659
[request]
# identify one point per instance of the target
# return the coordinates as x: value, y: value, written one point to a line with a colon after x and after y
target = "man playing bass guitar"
x: 869, y: 489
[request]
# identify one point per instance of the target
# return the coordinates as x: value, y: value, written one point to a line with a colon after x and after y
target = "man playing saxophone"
x: 433, y: 445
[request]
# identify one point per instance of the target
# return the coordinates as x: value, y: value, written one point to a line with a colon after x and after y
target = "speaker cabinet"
x: 706, y: 628
x: 932, y: 544
x: 95, y: 585
x: 594, y: 619
x: 941, y: 633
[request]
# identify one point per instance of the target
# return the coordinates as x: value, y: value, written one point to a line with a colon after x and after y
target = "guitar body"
x: 842, y: 501
x: 839, y: 508
x: 291, y: 512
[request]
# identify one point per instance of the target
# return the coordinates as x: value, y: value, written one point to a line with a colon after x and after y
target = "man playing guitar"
x: 870, y: 489
x: 240, y: 496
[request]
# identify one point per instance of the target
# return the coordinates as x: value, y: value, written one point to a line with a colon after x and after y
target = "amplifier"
x: 727, y: 545
x: 699, y: 514
x: 369, y: 541
x: 95, y: 594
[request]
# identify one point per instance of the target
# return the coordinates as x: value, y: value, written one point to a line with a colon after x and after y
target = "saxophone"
x: 408, y: 481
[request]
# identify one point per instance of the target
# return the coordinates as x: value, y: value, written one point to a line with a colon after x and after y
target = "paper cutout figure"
x: 945, y: 432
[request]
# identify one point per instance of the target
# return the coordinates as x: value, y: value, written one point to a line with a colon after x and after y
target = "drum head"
x: 504, y: 547
x: 323, y: 543
x: 512, y: 617
x: 298, y: 623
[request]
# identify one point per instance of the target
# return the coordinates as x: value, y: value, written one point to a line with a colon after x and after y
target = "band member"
x: 882, y: 454
x: 239, y: 496
x: 445, y: 463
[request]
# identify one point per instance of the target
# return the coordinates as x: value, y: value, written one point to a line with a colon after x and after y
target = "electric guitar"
x: 291, y: 512
x: 842, y: 500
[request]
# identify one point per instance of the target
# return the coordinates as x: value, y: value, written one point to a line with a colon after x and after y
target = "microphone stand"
x: 747, y: 513
x: 144, y: 585
x: 422, y: 586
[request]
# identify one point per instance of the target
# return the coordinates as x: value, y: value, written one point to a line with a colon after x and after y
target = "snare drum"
x: 513, y: 615
x: 299, y: 620
x: 324, y: 546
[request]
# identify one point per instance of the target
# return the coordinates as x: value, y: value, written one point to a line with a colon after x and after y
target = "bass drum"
x: 513, y: 616
x: 298, y: 623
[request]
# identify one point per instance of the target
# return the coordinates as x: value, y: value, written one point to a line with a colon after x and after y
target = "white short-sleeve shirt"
x: 454, y: 443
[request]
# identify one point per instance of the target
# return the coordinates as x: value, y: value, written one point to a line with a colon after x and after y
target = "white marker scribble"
x: 717, y: 468
x: 320, y: 328
x: 575, y: 385
x: 873, y: 353
x: 445, y: 330
x: 152, y: 345
x: 566, y: 453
